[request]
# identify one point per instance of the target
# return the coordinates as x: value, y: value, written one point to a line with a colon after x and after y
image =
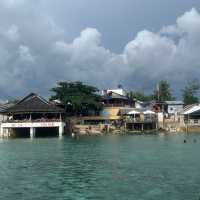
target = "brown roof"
x: 33, y: 103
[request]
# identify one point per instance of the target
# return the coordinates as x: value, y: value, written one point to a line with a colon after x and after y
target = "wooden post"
x: 142, y: 127
x: 7, y: 131
x: 1, y: 132
x: 187, y: 123
x: 32, y: 132
x: 61, y: 131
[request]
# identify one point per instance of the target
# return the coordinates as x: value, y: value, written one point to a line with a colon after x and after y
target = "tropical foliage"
x: 163, y: 92
x: 190, y: 92
x: 78, y: 98
x: 140, y: 96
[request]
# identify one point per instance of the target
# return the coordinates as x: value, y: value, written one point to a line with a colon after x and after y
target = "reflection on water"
x: 129, y: 167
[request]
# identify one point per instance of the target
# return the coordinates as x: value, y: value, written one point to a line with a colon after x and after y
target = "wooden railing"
x: 116, y: 105
x: 135, y: 120
x: 192, y: 121
x: 33, y: 120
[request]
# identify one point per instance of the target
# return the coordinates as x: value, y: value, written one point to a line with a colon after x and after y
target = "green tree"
x: 163, y: 92
x: 78, y: 98
x: 140, y: 96
x: 190, y: 92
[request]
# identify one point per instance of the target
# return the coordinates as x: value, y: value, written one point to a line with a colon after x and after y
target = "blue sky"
x: 109, y: 42
x: 118, y: 20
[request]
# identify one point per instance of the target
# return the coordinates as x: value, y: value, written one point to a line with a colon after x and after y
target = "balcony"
x: 32, y: 121
x: 116, y: 105
x: 192, y: 122
x: 138, y: 120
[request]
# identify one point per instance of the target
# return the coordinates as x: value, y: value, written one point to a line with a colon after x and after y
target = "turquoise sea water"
x: 97, y: 168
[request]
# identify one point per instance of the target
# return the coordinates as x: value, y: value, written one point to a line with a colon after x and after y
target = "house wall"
x: 119, y: 91
x: 138, y: 105
x: 1, y: 119
x: 160, y: 120
x: 110, y: 112
x: 172, y: 109
x: 7, y: 128
x: 32, y: 124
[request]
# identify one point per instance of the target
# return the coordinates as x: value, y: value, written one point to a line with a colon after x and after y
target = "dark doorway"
x: 47, y: 132
x: 21, y: 133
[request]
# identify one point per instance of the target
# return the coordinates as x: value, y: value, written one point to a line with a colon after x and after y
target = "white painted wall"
x: 32, y: 124
x: 160, y: 119
x: 119, y: 91
x: 1, y: 119
x: 172, y: 109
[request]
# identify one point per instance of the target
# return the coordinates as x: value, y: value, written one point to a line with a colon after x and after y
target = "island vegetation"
x: 77, y: 98
x: 82, y: 99
x: 190, y: 92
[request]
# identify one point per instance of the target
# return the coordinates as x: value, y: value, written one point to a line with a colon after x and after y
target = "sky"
x: 135, y: 43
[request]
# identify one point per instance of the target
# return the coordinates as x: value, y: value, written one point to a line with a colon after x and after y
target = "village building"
x: 141, y: 120
x: 115, y: 103
x: 173, y: 107
x: 3, y: 106
x: 168, y: 107
x: 116, y: 115
x: 143, y: 105
x: 32, y: 116
x: 168, y: 114
x: 112, y: 98
x: 119, y: 91
x: 190, y: 118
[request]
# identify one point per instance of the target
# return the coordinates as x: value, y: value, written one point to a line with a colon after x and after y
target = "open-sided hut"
x: 32, y: 112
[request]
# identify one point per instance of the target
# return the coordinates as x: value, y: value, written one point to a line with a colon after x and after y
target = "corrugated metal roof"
x: 33, y: 103
x: 5, y: 106
x: 192, y: 110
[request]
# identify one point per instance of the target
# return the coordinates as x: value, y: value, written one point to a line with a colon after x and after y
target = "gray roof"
x: 33, y: 103
x: 5, y: 106
x: 174, y: 102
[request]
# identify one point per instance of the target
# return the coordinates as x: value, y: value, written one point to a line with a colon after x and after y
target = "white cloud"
x: 24, y: 53
x: 10, y: 3
x: 12, y: 33
x: 149, y: 50
x: 35, y: 54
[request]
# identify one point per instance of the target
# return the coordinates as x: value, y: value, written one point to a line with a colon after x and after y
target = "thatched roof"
x: 33, y: 103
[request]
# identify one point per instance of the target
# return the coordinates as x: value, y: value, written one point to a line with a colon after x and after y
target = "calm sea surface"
x: 97, y: 168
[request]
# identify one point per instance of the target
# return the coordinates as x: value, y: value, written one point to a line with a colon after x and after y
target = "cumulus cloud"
x: 35, y: 53
x: 24, y: 54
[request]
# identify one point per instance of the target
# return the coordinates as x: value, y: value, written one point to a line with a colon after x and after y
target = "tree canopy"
x: 78, y: 98
x: 190, y: 92
x: 163, y: 92
x: 140, y: 96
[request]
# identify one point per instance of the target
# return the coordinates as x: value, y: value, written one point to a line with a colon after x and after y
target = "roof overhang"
x: 192, y: 110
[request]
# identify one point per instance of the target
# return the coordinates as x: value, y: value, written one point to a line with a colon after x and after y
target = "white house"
x: 119, y: 91
x: 174, y: 107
